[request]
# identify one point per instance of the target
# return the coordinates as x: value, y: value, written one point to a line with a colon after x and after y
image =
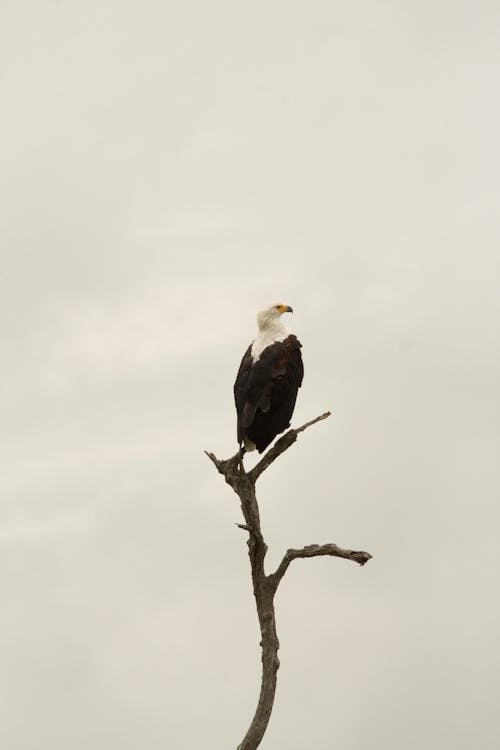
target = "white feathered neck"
x: 271, y: 329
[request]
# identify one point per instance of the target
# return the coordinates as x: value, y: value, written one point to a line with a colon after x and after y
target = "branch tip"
x: 317, y: 550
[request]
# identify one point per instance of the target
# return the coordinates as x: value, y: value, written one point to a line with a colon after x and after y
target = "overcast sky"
x: 168, y: 169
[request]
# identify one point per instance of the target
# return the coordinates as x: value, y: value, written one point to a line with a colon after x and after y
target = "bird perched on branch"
x: 267, y: 382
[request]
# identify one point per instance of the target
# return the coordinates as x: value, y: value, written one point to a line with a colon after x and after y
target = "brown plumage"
x: 267, y: 382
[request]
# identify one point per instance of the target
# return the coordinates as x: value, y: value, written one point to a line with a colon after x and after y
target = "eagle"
x: 267, y: 382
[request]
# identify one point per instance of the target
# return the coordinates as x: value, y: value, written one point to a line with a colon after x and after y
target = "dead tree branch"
x: 265, y: 586
x: 316, y: 550
x: 281, y: 446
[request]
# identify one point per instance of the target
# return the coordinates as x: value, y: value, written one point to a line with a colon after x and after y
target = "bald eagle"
x: 267, y: 382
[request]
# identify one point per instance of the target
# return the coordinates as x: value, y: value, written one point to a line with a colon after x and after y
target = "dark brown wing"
x: 265, y: 391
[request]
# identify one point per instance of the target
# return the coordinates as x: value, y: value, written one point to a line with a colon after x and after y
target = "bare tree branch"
x: 317, y: 550
x: 281, y: 446
x: 230, y: 468
x: 265, y: 586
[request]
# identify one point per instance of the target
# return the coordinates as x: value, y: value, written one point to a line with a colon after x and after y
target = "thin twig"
x: 281, y: 446
x: 313, y: 421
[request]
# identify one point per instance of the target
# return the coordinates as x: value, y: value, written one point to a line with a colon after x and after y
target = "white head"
x: 271, y: 329
x: 270, y: 317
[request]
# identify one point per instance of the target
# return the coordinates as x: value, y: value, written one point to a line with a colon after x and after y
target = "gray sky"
x: 168, y: 169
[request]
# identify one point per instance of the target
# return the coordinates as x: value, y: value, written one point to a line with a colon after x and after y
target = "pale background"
x: 167, y: 169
